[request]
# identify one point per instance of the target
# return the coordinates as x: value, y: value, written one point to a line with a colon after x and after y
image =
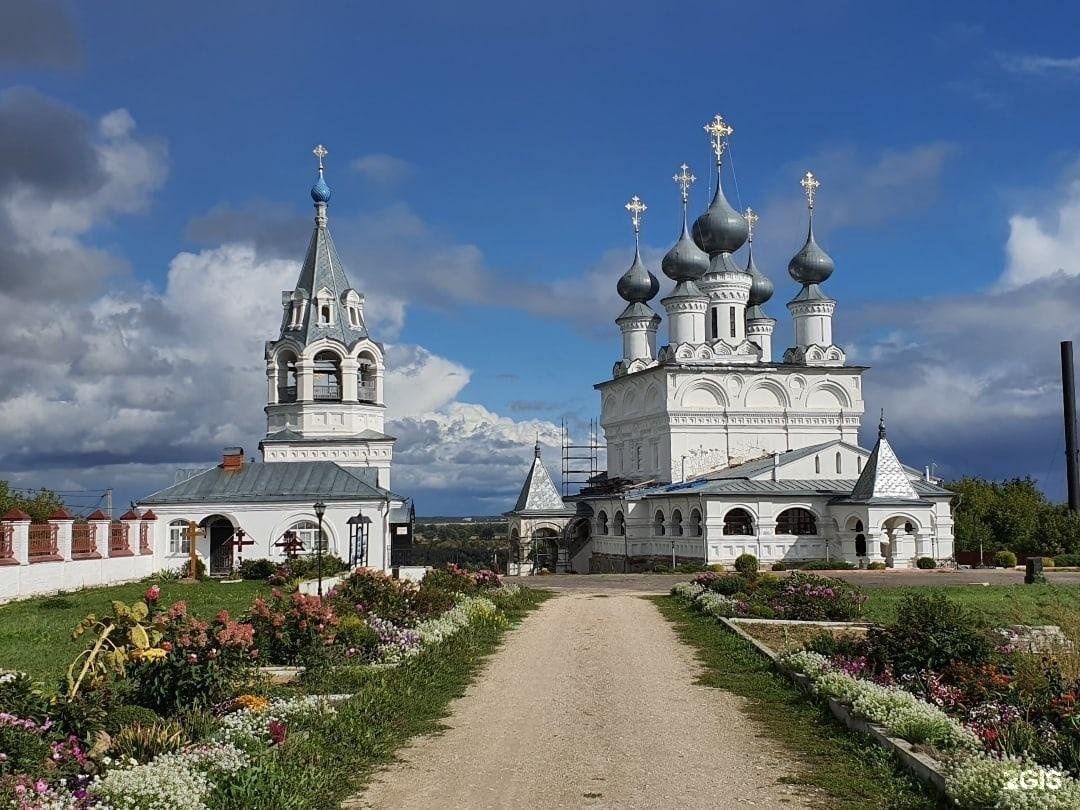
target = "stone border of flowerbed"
x: 923, y: 767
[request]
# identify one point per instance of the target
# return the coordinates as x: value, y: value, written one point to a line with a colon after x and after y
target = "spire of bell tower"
x: 637, y: 286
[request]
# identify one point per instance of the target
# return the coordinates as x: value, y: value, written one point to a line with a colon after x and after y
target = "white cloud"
x: 1038, y: 248
x: 382, y: 169
x: 1034, y: 64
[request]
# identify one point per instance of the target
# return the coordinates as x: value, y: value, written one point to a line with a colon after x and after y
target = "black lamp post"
x: 320, y: 510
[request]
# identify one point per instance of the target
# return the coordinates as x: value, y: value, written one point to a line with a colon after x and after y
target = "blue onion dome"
x: 721, y: 229
x: 811, y: 265
x: 320, y: 192
x: 761, y: 286
x: 685, y: 261
x: 637, y: 285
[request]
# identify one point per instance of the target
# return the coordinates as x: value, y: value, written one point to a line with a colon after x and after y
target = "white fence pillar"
x: 101, y: 522
x: 63, y: 521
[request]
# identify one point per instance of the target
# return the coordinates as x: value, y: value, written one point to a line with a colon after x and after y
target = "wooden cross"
x: 238, y: 542
x: 810, y: 185
x: 290, y: 544
x: 636, y: 208
x: 718, y: 130
x: 685, y: 180
x: 320, y: 152
x: 751, y: 221
x: 192, y: 533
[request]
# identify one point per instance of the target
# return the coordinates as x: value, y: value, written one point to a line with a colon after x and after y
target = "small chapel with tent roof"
x: 717, y: 448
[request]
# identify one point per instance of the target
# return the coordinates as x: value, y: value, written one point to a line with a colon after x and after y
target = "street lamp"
x: 320, y: 510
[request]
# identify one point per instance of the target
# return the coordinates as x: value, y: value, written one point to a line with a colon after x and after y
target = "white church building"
x: 324, y: 440
x: 717, y: 444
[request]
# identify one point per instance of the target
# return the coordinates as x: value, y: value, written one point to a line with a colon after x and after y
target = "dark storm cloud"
x: 38, y: 33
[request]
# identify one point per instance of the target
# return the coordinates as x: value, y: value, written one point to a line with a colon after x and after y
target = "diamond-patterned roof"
x: 538, y: 493
x: 883, y: 476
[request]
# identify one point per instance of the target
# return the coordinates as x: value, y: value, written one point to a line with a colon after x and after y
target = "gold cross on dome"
x: 810, y: 186
x: 320, y: 152
x: 636, y: 208
x: 751, y: 221
x: 685, y: 180
x: 718, y: 130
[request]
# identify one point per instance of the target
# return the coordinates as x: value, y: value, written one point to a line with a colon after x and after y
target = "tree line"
x: 38, y: 505
x: 1014, y: 515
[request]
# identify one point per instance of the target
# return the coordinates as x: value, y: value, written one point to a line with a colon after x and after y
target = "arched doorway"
x: 219, y: 529
x: 545, y: 549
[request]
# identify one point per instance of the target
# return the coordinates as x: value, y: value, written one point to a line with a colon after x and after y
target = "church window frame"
x: 307, y: 531
x: 601, y: 522
x: 327, y: 376
x: 714, y: 328
x: 731, y: 319
x: 676, y: 523
x: 839, y: 463
x: 178, y: 540
x: 695, y: 523
x: 658, y: 523
x: 738, y: 522
x: 619, y: 523
x: 326, y: 315
x: 796, y: 521
x: 817, y: 465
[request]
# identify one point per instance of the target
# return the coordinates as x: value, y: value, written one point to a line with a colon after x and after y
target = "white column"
x: 760, y: 331
x: 63, y: 535
x: 813, y: 322
x: 271, y: 383
x: 20, y: 539
x: 305, y: 381
x: 101, y: 536
x: 349, y: 367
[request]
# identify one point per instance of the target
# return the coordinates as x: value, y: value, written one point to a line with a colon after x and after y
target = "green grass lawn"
x: 842, y: 769
x: 35, y: 634
x: 999, y: 604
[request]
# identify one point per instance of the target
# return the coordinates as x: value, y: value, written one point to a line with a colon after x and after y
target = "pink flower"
x: 166, y: 646
x: 41, y: 785
x: 277, y: 731
x: 192, y: 658
x: 153, y: 593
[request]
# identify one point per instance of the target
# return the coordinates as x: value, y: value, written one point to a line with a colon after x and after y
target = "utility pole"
x: 1068, y: 385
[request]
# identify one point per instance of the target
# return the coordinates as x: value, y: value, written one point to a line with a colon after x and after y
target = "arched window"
x: 658, y: 523
x: 178, y: 542
x: 817, y: 464
x: 619, y: 523
x: 796, y: 521
x: 365, y: 379
x: 327, y: 383
x: 858, y: 463
x: 738, y: 521
x: 695, y: 523
x: 676, y: 523
x: 601, y: 522
x: 324, y: 315
x: 286, y: 378
x: 909, y: 528
x: 839, y: 463
x: 860, y: 545
x: 859, y: 526
x: 307, y: 531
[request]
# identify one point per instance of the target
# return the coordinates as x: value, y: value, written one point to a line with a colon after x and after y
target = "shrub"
x: 717, y: 567
x: 747, y: 565
x: 806, y: 597
x: 452, y: 578
x: 374, y: 592
x: 930, y: 632
x: 356, y: 638
x: 1004, y: 559
x: 291, y: 630
x: 200, y: 662
x: 1067, y: 561
x: 24, y: 745
x: 876, y: 566
x: 128, y: 715
x: 778, y: 566
x: 828, y: 565
x: 727, y: 584
x: 20, y: 696
x: 256, y: 569
x: 144, y: 742
x: 926, y: 563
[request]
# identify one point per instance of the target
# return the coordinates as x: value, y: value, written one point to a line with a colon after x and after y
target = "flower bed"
x: 166, y: 710
x: 800, y: 596
x: 1003, y: 723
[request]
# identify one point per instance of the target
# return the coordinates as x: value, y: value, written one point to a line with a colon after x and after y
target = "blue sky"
x: 480, y: 156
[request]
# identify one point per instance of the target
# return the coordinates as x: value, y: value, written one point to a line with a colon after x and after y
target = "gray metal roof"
x: 883, y: 477
x: 275, y: 482
x: 538, y: 493
x: 833, y: 487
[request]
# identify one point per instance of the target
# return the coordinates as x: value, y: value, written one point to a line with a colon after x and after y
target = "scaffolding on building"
x: 579, y: 461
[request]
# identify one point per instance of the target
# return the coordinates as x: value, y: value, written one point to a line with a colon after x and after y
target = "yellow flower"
x: 251, y: 702
x: 149, y: 654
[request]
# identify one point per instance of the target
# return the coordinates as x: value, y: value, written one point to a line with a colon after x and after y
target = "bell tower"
x: 324, y: 372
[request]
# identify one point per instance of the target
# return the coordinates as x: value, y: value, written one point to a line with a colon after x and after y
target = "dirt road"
x: 591, y: 702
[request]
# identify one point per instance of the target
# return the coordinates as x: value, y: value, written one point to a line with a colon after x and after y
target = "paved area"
x: 591, y: 702
x: 661, y: 583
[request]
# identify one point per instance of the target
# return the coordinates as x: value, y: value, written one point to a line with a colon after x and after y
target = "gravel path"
x: 591, y: 702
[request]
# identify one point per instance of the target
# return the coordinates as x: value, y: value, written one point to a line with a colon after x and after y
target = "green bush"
x: 930, y: 633
x: 256, y: 569
x: 926, y: 563
x: 876, y: 566
x: 356, y: 637
x: 779, y: 566
x: 198, y: 724
x: 1067, y: 561
x: 143, y: 743
x: 828, y: 565
x: 128, y: 715
x: 747, y: 565
x: 726, y: 584
x: 24, y: 751
x: 1004, y: 559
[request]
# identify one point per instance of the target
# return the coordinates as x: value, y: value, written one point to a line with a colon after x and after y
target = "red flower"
x: 277, y: 730
x: 166, y: 646
x: 153, y: 593
x: 192, y: 658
